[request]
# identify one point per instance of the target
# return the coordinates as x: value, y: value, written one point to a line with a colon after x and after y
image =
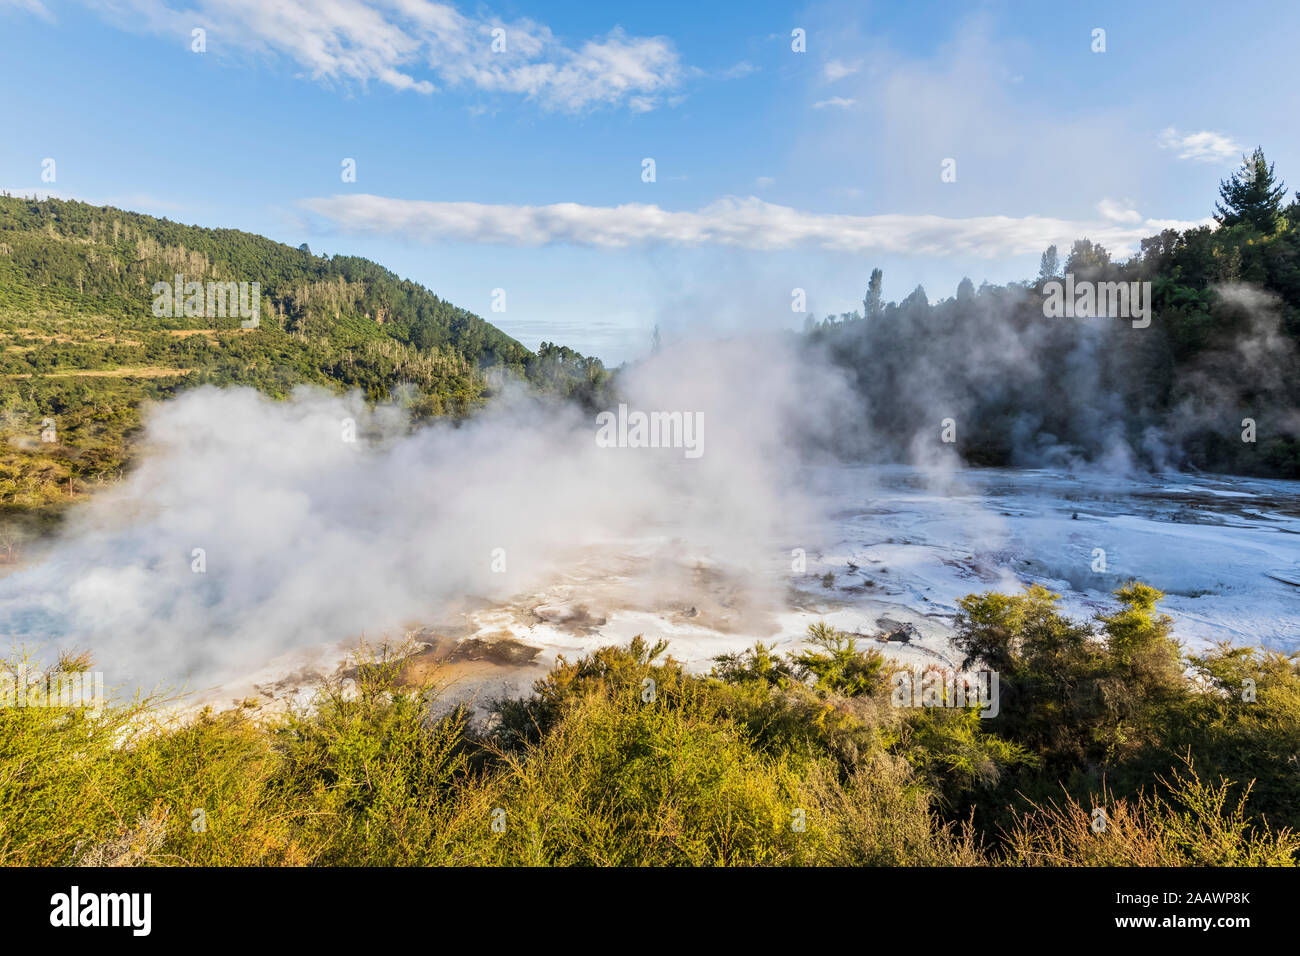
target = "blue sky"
x: 521, y: 168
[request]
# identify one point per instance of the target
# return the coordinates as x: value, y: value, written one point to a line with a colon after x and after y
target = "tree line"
x: 1221, y: 352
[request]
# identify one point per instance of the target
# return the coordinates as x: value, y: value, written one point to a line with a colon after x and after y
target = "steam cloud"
x: 1034, y: 391
x: 309, y: 539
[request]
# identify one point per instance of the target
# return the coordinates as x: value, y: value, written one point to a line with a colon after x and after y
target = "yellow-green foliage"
x: 376, y: 769
x: 1196, y: 824
x: 1246, y: 724
x: 838, y: 666
x: 75, y: 788
x: 619, y: 782
x: 622, y: 758
x: 1074, y: 693
x: 883, y: 815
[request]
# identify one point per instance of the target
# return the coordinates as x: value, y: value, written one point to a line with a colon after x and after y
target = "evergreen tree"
x: 1049, y: 263
x: 871, y: 303
x: 1251, y: 196
x: 917, y: 300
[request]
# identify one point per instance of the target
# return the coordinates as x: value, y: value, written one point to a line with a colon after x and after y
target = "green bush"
x: 623, y: 758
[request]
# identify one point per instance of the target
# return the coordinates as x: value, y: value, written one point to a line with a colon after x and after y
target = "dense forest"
x: 82, y: 346
x: 1026, y: 389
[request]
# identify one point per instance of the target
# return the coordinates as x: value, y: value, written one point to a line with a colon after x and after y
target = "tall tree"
x: 1087, y: 259
x: 1251, y: 195
x: 1049, y: 263
x: 917, y: 300
x: 871, y: 303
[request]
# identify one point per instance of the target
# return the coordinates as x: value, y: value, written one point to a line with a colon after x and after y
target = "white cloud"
x: 34, y: 7
x: 747, y: 223
x: 837, y: 70
x: 958, y: 99
x: 1205, y: 146
x: 763, y: 182
x: 1118, y: 212
x: 839, y: 102
x: 394, y: 41
x: 741, y: 69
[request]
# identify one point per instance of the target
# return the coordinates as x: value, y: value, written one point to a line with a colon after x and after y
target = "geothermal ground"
x: 901, y: 546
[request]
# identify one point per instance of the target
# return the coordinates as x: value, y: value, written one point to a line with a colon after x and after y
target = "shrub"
x: 1194, y: 825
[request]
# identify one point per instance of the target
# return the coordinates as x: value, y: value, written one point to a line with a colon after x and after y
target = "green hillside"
x: 82, y: 344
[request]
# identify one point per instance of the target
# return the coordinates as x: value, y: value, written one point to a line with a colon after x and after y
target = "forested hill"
x: 1202, y: 370
x: 84, y: 341
x: 74, y: 258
